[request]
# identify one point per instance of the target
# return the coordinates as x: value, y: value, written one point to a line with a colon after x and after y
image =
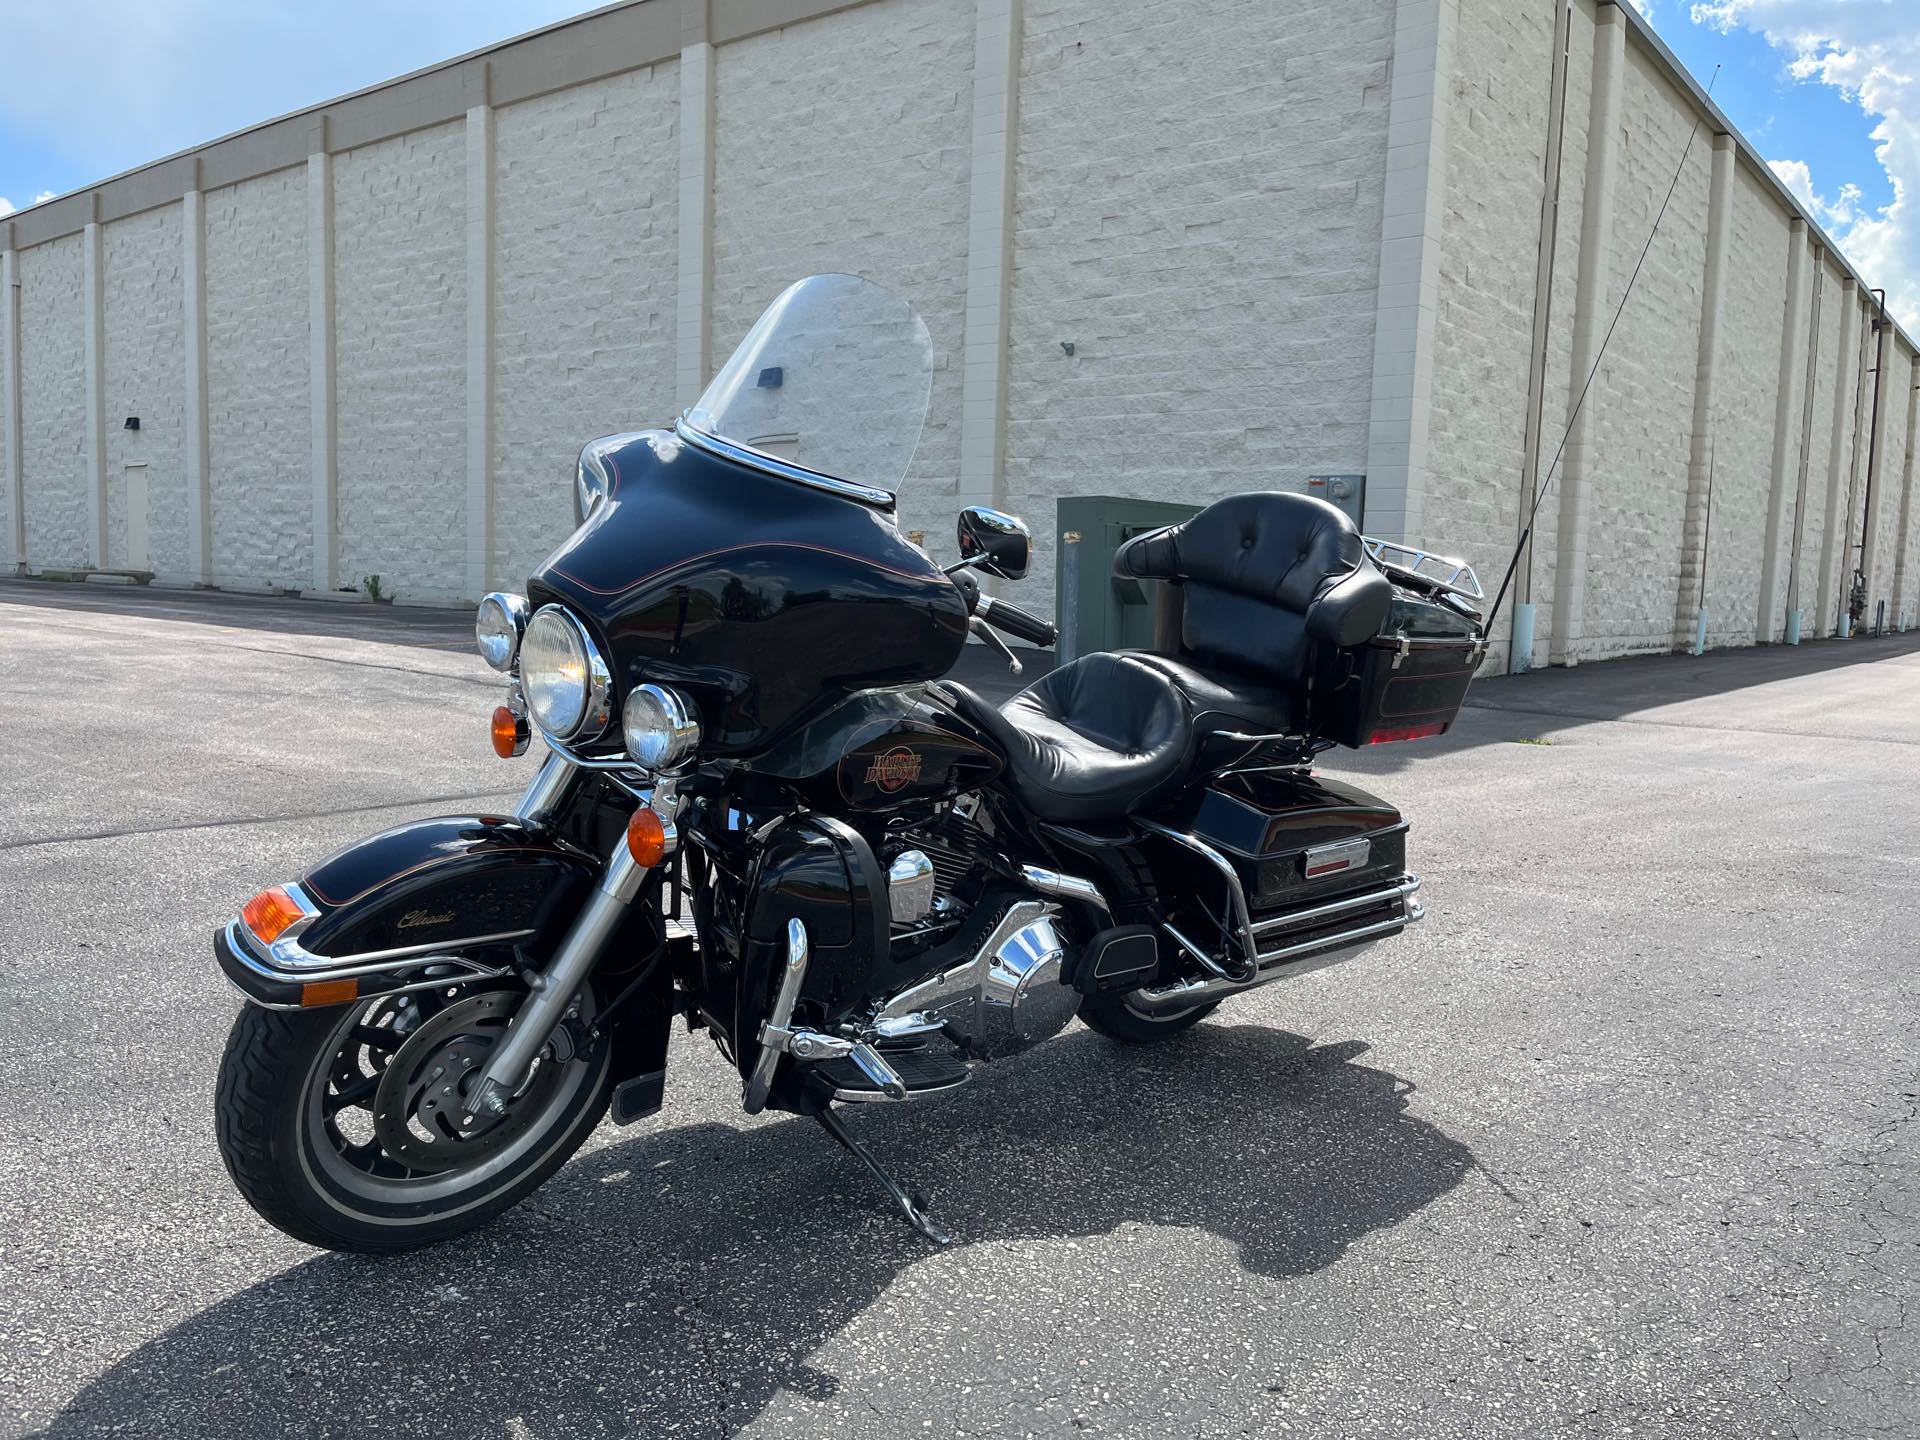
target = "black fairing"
x: 444, y: 881
x: 764, y: 599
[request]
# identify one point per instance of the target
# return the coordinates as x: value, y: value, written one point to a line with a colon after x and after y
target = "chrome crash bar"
x: 1283, y: 960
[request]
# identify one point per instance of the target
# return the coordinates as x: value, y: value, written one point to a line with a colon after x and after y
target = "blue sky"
x: 89, y: 88
x: 1828, y: 90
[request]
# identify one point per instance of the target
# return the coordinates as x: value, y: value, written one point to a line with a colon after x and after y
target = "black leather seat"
x: 1089, y: 741
x: 1219, y: 701
x: 1251, y: 584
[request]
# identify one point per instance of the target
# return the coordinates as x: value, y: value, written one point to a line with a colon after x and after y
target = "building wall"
x: 843, y: 145
x: 53, y: 390
x: 1192, y: 226
x: 400, y: 335
x: 1744, y: 400
x: 259, y: 447
x: 585, y: 281
x: 1823, y: 355
x: 145, y: 369
x: 1178, y: 222
x: 1497, y: 137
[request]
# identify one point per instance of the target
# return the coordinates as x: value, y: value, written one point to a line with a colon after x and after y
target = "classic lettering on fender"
x: 414, y: 919
x: 897, y: 768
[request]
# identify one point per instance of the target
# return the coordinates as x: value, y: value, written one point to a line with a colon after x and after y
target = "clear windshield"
x: 833, y: 378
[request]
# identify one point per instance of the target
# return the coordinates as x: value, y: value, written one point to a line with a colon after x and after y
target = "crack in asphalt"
x: 240, y: 820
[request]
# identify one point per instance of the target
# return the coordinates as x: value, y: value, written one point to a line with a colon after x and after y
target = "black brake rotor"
x: 420, y: 1116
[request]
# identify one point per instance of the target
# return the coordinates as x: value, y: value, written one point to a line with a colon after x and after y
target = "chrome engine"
x: 1007, y: 998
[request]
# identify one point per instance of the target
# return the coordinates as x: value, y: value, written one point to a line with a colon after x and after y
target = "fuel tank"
x: 767, y: 600
x: 884, y: 750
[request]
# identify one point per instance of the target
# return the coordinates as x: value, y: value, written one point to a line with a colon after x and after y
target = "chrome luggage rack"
x: 1456, y: 577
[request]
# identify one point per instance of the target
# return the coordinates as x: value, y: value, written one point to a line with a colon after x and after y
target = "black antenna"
x: 1574, y: 414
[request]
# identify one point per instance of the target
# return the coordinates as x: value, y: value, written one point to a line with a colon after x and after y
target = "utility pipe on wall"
x: 1589, y: 319
x: 1810, y: 383
x: 1783, y: 415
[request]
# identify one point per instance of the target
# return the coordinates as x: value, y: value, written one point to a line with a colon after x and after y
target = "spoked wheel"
x: 1113, y: 1017
x: 348, y: 1128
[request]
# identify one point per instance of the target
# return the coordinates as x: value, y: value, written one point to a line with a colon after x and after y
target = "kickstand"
x: 913, y: 1207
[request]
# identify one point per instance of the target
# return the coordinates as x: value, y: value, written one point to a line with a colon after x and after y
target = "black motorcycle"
x: 764, y: 810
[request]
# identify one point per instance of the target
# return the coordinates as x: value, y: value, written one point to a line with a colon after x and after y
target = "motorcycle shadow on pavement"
x: 678, y: 1281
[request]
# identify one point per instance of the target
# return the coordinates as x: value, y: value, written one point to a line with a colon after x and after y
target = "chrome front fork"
x: 553, y: 990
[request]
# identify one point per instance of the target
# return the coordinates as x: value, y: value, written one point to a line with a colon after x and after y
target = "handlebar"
x: 1019, y: 623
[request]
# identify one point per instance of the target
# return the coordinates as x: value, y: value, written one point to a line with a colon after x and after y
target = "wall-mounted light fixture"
x: 133, y: 422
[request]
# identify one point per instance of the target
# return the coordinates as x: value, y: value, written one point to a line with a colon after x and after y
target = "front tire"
x: 1111, y: 1016
x: 329, y: 1148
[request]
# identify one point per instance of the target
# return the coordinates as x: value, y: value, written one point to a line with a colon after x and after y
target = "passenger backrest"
x: 1260, y: 576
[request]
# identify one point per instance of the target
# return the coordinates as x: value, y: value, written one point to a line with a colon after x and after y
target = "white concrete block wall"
x: 145, y: 377
x: 1198, y: 202
x: 257, y: 382
x: 1827, y: 364
x: 1643, y: 426
x: 400, y: 348
x: 584, y: 298
x: 1178, y: 221
x: 844, y: 144
x: 1744, y: 398
x: 53, y: 455
x: 1893, y: 441
x: 1496, y: 154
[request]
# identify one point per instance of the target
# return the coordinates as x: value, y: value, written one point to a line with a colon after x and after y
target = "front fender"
x: 446, y: 886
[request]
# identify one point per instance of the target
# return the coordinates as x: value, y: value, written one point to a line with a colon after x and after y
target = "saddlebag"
x: 1322, y: 864
x: 1406, y: 681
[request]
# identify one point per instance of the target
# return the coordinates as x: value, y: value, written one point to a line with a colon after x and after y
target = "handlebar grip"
x: 1018, y: 623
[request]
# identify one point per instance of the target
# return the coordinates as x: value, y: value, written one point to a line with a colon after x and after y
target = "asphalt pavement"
x: 1616, y: 1142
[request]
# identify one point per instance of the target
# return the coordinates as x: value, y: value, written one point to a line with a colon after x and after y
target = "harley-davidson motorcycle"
x: 764, y: 810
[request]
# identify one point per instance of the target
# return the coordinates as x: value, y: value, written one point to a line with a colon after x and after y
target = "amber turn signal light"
x: 646, y: 837
x: 509, y: 733
x: 269, y: 914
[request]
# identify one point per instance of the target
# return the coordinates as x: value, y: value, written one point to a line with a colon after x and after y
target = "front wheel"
x: 345, y: 1128
x: 1113, y: 1017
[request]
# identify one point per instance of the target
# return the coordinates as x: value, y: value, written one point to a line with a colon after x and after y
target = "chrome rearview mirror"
x: 995, y: 542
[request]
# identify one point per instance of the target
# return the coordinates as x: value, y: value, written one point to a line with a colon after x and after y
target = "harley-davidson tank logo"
x: 414, y: 919
x: 897, y: 768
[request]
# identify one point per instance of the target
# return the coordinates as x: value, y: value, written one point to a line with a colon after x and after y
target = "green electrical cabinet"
x: 1095, y: 609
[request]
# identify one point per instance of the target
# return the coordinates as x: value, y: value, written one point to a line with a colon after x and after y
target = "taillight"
x: 269, y: 913
x: 1406, y: 732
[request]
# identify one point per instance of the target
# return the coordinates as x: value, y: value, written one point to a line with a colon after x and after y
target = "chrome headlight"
x: 566, y: 683
x: 660, y: 726
x: 498, y: 626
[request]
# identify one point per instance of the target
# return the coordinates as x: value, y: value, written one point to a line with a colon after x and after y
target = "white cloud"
x: 1835, y: 214
x: 7, y: 207
x: 111, y: 84
x: 1871, y: 54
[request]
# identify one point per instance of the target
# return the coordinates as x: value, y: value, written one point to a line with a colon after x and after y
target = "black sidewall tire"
x: 1108, y: 1015
x: 260, y: 1119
